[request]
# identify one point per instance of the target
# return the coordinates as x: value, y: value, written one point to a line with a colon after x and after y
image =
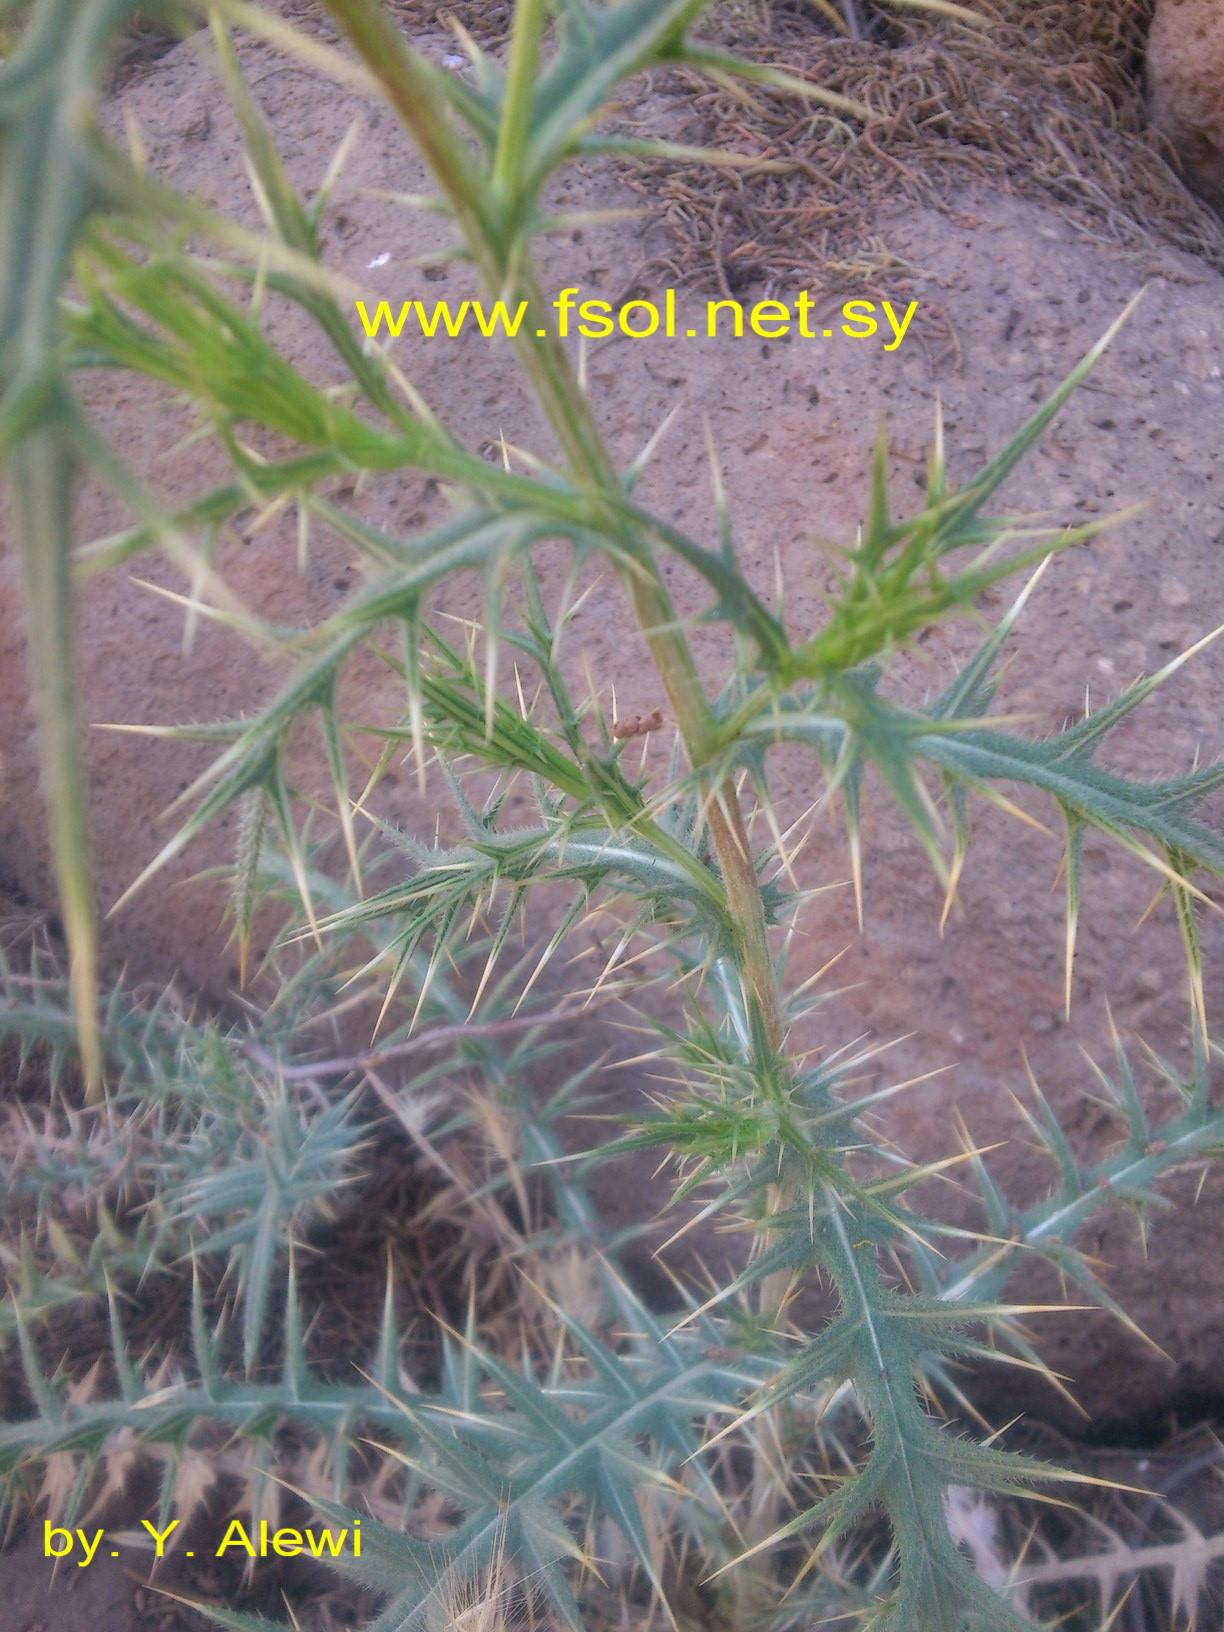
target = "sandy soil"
x: 108, y: 1596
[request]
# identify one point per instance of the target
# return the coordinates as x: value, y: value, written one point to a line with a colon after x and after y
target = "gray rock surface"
x: 1186, y: 87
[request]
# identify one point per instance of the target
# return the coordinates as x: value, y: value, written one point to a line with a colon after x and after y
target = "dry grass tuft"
x: 1047, y: 100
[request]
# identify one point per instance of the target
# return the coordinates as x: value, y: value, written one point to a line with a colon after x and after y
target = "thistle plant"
x: 702, y: 1425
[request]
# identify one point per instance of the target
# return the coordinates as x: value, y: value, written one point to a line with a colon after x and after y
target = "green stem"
x: 590, y: 464
x: 42, y: 470
x: 497, y: 248
x: 520, y: 90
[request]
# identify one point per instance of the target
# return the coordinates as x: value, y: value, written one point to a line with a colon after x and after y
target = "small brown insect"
x: 640, y: 725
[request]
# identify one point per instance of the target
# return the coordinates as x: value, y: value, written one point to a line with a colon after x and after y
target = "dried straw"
x: 1046, y: 100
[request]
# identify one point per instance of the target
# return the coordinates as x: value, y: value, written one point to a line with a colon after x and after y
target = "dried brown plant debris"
x: 1043, y: 99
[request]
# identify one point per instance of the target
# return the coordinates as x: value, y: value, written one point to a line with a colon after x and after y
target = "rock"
x: 1185, y: 67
